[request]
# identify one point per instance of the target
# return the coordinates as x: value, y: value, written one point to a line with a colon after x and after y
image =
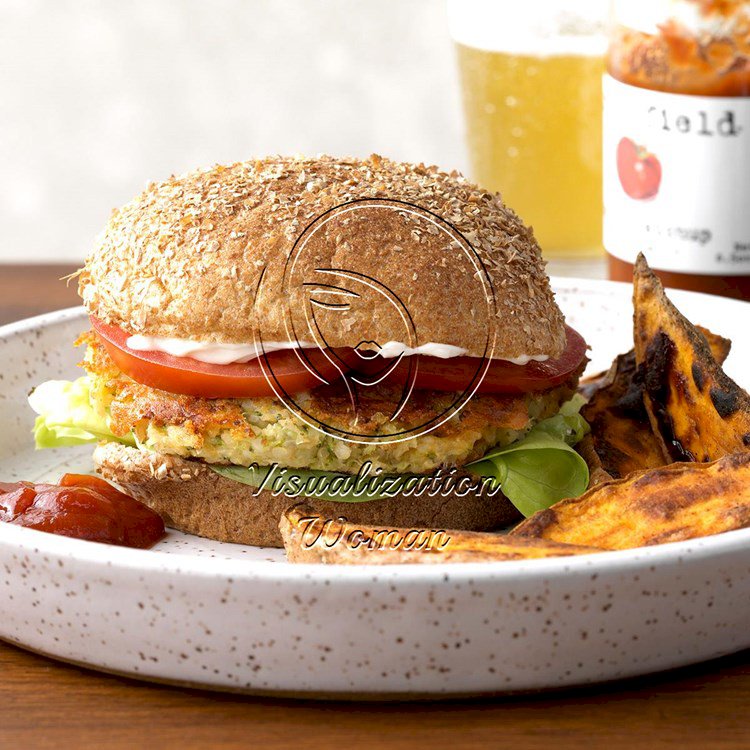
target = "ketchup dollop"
x: 83, y: 507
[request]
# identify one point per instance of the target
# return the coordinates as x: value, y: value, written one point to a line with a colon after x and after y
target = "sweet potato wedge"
x: 592, y: 384
x: 309, y: 538
x: 719, y: 346
x: 620, y: 428
x: 696, y: 411
x: 668, y: 504
x: 597, y: 473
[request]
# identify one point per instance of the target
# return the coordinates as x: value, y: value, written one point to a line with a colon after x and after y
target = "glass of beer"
x: 531, y: 77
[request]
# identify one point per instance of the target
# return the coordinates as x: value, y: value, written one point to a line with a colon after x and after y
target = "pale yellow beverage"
x: 533, y: 123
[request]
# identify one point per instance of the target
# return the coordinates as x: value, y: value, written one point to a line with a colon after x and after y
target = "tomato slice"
x: 460, y: 373
x: 242, y: 380
x: 194, y: 378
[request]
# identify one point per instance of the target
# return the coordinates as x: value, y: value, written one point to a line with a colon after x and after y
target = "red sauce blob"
x: 83, y: 507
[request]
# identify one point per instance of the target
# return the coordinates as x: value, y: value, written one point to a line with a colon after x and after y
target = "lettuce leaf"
x: 542, y: 468
x: 66, y: 416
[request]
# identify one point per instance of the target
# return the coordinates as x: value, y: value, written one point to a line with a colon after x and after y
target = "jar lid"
x: 716, y: 20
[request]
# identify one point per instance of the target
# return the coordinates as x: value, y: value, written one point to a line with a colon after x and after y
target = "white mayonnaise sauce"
x: 225, y: 354
x: 210, y: 352
x: 445, y: 351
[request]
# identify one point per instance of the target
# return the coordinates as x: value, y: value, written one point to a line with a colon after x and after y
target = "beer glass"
x: 531, y: 78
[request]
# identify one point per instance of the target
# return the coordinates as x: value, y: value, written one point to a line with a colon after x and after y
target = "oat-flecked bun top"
x: 418, y: 255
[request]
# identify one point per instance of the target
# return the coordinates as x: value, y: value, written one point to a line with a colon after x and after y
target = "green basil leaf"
x: 542, y: 468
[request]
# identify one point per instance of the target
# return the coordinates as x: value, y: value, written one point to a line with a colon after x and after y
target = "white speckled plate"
x: 231, y: 617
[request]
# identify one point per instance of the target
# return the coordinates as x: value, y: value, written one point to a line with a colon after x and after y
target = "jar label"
x: 677, y: 179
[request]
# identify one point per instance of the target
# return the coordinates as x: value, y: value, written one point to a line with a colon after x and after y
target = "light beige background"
x: 97, y: 97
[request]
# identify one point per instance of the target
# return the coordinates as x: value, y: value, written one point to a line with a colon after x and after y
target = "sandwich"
x: 376, y: 339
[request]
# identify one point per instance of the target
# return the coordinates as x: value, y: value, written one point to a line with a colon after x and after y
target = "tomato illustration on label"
x: 638, y: 169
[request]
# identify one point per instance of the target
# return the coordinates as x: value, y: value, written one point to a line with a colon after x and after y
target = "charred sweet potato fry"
x: 308, y: 538
x: 696, y: 411
x: 597, y: 473
x: 620, y: 428
x: 592, y: 384
x: 668, y: 504
x: 719, y: 346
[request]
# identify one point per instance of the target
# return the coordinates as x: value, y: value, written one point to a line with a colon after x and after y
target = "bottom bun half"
x: 193, y: 499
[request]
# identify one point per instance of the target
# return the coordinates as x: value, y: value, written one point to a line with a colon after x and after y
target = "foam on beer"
x: 541, y: 28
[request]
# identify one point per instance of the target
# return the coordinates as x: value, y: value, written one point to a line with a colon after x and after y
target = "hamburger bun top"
x: 233, y: 253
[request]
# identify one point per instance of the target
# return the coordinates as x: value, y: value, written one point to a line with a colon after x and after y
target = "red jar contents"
x: 83, y: 507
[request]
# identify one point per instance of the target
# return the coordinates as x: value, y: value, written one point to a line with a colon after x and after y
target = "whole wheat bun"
x: 192, y: 498
x: 211, y: 256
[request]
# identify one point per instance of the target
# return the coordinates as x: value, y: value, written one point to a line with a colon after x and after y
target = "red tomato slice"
x: 194, y: 378
x: 460, y: 373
